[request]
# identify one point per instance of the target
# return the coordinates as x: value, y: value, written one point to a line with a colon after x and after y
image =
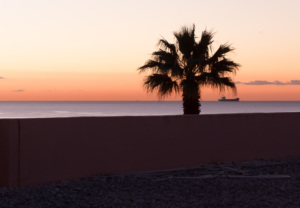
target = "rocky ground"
x: 261, y: 183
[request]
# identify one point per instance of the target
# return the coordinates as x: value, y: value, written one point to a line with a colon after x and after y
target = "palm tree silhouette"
x: 187, y: 65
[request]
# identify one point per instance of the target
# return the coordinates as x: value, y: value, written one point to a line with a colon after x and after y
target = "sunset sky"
x: 89, y: 50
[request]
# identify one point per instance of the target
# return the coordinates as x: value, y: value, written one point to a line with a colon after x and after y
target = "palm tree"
x: 187, y: 65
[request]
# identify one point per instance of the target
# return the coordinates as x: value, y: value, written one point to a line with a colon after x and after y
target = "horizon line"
x: 141, y: 101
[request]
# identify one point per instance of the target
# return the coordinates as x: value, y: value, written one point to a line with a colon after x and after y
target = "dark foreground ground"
x: 167, y: 189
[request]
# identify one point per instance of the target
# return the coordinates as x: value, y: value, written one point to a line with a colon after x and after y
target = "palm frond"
x: 177, y: 71
x: 149, y: 65
x: 185, y: 39
x: 163, y: 62
x: 220, y: 53
x: 162, y: 83
x: 165, y: 45
x: 222, y: 83
x: 164, y: 56
x: 195, y: 64
x: 204, y: 44
x: 224, y: 67
x: 201, y: 79
x: 156, y: 67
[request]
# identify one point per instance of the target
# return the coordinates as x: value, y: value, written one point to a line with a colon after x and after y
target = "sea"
x: 45, y: 109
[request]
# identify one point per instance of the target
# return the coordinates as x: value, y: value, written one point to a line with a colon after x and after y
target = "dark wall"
x: 9, y: 152
x: 54, y: 149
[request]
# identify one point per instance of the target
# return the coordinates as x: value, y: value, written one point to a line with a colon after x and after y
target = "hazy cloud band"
x: 263, y: 82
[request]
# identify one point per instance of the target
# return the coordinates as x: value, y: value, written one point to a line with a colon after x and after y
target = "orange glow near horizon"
x: 121, y: 87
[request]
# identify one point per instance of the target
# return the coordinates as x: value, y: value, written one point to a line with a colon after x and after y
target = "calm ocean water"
x: 135, y: 108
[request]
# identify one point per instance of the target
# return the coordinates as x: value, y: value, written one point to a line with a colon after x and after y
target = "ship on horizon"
x: 223, y: 98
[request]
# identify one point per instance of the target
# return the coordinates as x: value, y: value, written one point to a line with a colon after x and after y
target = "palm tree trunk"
x: 191, y: 103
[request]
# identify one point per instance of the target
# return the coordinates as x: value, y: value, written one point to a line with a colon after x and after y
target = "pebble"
x: 145, y: 191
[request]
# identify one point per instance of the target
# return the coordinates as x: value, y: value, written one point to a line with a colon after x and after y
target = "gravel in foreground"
x: 161, y: 190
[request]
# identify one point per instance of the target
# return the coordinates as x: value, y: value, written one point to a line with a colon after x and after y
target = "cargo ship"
x: 223, y: 98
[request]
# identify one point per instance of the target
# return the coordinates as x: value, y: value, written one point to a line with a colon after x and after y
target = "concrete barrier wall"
x: 9, y: 147
x: 54, y: 149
